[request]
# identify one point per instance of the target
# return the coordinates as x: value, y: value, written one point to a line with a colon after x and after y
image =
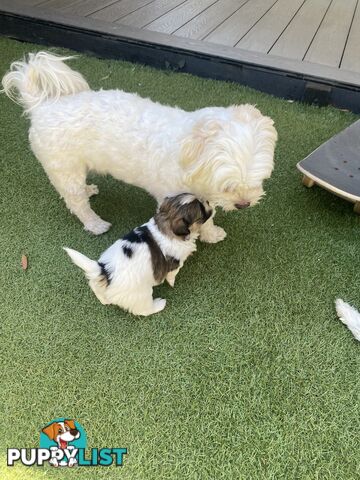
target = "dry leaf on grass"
x: 24, y: 262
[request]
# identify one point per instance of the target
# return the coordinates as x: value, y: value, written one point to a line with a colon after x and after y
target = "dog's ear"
x: 51, y: 430
x: 196, y: 212
x: 205, y: 213
x: 71, y: 424
x: 199, y: 169
x: 180, y: 227
x: 194, y: 144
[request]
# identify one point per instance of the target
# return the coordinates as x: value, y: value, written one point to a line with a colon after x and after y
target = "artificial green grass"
x: 247, y: 374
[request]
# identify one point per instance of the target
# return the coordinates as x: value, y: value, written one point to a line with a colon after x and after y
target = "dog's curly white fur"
x: 349, y: 317
x: 221, y: 154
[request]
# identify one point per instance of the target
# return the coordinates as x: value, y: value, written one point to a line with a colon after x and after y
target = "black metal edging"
x: 276, y: 81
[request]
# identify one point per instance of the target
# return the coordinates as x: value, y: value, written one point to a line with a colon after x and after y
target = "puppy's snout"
x: 74, y: 432
x: 241, y: 205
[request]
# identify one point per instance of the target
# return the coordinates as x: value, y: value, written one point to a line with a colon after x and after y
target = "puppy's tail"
x: 93, y: 272
x: 349, y: 316
x: 41, y: 76
x: 91, y: 268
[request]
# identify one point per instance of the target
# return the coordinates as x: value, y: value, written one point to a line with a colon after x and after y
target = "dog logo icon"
x: 63, y: 437
x: 63, y: 444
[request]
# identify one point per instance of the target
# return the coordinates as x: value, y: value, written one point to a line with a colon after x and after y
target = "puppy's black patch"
x: 127, y: 251
x: 204, y: 214
x: 105, y: 273
x: 134, y: 236
x: 161, y: 265
x: 173, y: 263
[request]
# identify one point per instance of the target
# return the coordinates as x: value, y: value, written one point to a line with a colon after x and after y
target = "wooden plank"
x: 295, y: 40
x: 329, y: 42
x: 206, y: 21
x: 218, y: 61
x: 264, y: 34
x: 119, y: 9
x: 108, y: 40
x: 85, y: 7
x: 173, y: 20
x: 32, y: 3
x: 58, y: 4
x: 145, y: 15
x: 351, y: 58
x: 236, y: 26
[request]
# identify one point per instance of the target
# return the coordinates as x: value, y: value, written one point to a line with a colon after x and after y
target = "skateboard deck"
x: 335, y: 165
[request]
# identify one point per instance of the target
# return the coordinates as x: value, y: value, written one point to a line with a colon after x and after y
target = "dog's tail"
x: 349, y: 316
x: 91, y: 268
x: 93, y: 272
x: 41, y: 76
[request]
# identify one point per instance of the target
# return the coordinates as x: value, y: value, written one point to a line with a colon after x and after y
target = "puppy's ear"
x: 180, y: 227
x: 196, y: 212
x: 50, y: 430
x: 205, y: 214
x: 71, y: 424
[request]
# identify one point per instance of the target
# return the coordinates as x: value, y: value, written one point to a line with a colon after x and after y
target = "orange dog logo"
x: 62, y: 433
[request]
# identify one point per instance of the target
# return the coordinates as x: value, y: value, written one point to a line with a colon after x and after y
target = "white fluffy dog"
x: 126, y: 273
x: 221, y: 154
x: 349, y: 316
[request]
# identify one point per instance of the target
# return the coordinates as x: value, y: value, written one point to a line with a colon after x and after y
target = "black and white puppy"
x: 126, y: 272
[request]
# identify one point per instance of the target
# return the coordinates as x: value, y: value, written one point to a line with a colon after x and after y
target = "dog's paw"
x: 72, y: 462
x: 159, y: 304
x: 97, y: 227
x: 170, y: 280
x: 214, y: 235
x: 92, y: 190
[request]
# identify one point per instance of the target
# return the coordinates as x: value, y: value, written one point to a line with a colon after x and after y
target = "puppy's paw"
x: 97, y: 227
x: 214, y: 235
x: 92, y: 190
x: 171, y: 280
x: 159, y: 304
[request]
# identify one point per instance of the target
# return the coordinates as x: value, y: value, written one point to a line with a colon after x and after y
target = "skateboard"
x: 335, y: 165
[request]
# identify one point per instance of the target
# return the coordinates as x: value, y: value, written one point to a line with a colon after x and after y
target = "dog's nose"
x: 74, y: 432
x: 242, y: 205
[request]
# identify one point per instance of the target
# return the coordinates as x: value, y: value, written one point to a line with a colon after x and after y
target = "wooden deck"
x: 301, y: 49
